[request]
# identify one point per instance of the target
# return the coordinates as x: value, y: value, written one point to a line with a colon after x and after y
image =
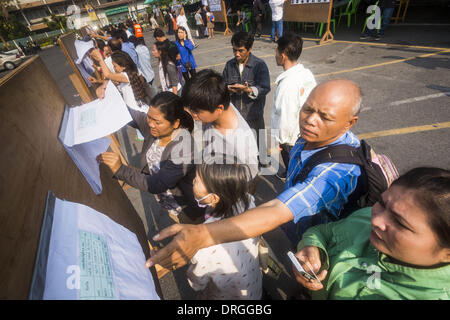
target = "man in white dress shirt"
x: 293, y: 88
x: 277, y: 18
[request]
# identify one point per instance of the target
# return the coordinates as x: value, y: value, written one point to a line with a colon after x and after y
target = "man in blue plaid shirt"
x: 326, y: 118
x: 322, y: 195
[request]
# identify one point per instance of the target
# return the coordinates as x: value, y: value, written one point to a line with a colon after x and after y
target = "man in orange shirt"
x: 138, y: 30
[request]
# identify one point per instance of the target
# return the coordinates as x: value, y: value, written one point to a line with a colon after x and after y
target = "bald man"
x: 326, y: 118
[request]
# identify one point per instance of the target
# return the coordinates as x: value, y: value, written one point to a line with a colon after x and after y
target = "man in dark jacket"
x: 248, y: 82
x: 258, y: 13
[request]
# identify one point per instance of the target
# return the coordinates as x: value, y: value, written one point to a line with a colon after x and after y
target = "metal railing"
x: 36, y: 37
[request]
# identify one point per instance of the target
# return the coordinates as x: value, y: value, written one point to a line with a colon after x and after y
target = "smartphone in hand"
x: 300, y: 269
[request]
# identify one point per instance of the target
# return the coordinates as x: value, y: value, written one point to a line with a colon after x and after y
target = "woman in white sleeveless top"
x: 182, y: 22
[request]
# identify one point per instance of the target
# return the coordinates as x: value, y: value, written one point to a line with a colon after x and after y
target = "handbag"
x: 188, y: 66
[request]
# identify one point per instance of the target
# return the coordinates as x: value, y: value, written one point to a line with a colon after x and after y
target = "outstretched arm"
x: 98, y: 36
x: 190, y: 238
x: 96, y: 55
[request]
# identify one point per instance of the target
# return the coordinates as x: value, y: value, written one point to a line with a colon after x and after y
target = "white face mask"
x: 203, y: 205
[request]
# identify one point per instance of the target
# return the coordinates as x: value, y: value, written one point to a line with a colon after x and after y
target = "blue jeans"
x: 386, y: 18
x: 387, y: 14
x: 279, y: 26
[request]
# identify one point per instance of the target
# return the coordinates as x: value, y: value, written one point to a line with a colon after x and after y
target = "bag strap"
x: 336, y: 154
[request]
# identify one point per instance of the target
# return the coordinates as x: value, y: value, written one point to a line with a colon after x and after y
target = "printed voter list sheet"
x: 84, y: 155
x: 91, y: 257
x: 84, y: 128
x: 96, y: 119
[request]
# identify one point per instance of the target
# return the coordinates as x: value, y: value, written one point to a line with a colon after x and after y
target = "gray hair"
x: 357, y: 107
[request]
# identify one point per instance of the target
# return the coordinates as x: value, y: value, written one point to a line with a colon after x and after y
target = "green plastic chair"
x: 371, y: 15
x: 350, y: 9
x: 320, y: 29
x: 249, y: 21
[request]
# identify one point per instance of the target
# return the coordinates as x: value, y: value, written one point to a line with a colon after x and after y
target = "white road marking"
x: 411, y: 100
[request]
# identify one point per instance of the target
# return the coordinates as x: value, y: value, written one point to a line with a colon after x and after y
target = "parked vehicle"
x: 10, y: 61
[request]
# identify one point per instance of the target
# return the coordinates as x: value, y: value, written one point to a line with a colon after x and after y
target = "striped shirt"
x: 327, y: 187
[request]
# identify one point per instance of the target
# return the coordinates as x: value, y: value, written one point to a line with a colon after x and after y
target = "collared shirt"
x: 356, y: 270
x: 128, y: 47
x: 327, y: 186
x: 145, y: 62
x: 293, y: 88
x: 277, y: 9
x: 186, y: 55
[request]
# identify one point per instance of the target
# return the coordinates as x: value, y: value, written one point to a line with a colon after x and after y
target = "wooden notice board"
x: 84, y: 31
x: 310, y: 11
x: 34, y: 162
x: 87, y: 94
x: 67, y: 45
x: 219, y: 10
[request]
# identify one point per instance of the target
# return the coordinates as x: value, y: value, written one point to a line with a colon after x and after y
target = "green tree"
x: 56, y: 22
x: 10, y: 27
x: 4, y: 16
x: 166, y: 3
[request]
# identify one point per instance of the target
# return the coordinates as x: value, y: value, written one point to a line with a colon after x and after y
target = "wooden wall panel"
x: 315, y: 12
x: 34, y: 161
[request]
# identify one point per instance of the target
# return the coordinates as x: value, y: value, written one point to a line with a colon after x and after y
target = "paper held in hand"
x: 95, y: 119
x: 84, y: 128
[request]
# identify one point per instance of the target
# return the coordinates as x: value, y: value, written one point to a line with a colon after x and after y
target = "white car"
x: 10, y: 60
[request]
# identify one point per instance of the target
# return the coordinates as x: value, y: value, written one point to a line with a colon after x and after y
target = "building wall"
x: 32, y: 12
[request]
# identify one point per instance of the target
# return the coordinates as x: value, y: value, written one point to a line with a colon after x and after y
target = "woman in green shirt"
x: 398, y: 249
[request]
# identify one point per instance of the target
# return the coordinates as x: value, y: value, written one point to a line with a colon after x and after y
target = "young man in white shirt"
x: 277, y: 18
x: 293, y: 88
x: 225, y: 131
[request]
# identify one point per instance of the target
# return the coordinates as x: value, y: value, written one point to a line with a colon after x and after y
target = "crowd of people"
x: 208, y: 186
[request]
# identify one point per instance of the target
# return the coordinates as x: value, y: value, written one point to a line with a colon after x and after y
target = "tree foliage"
x: 10, y: 27
x: 56, y: 22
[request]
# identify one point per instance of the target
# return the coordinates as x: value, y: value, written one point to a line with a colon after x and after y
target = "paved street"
x: 405, y: 115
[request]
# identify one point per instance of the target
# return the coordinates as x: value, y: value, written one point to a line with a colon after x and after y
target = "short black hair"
x: 132, y: 39
x: 291, y: 44
x: 123, y: 36
x: 120, y: 34
x: 114, y: 44
x: 206, y: 91
x: 242, y: 39
x: 158, y: 33
x: 139, y: 41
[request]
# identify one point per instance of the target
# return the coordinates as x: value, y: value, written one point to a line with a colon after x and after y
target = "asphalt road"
x: 405, y: 115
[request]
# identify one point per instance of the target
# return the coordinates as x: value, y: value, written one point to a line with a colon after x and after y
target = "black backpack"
x: 377, y: 173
